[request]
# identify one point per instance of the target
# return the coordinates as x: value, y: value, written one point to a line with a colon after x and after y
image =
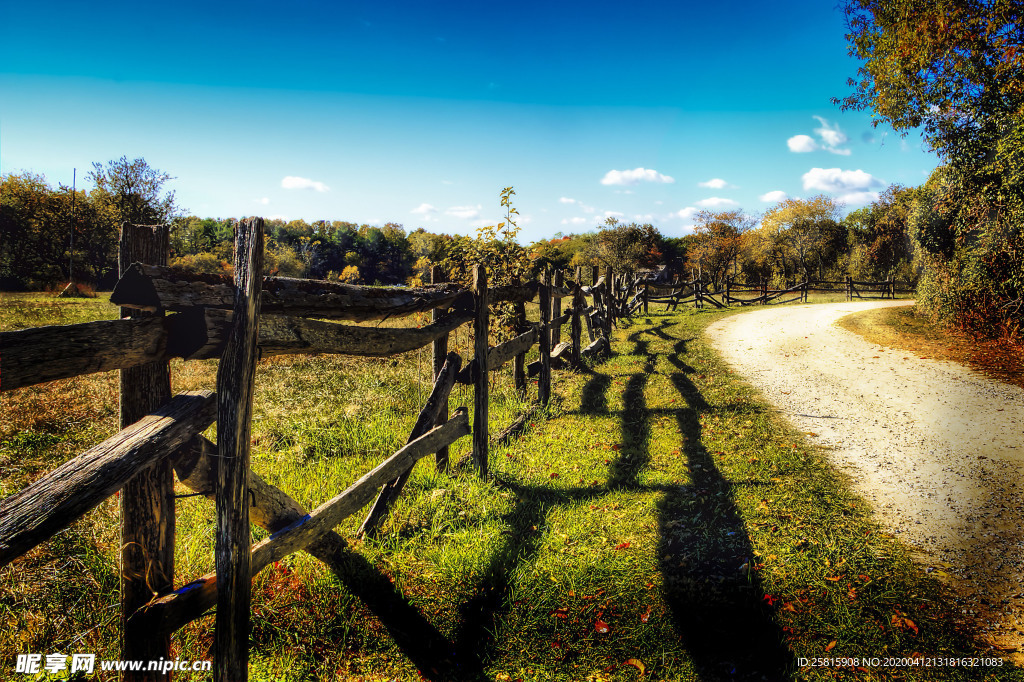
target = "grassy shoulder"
x: 659, y: 522
x: 905, y: 329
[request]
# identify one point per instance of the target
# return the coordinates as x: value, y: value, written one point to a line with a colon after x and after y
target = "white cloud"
x: 614, y: 214
x: 837, y: 181
x: 632, y: 177
x: 716, y: 183
x: 832, y: 136
x: 643, y: 217
x: 832, y: 139
x: 774, y: 196
x: 588, y: 209
x: 658, y: 203
x: 295, y: 182
x: 566, y: 200
x: 858, y: 198
x: 424, y: 209
x: 263, y: 201
x: 802, y: 143
x: 465, y: 212
x: 716, y: 202
x: 685, y: 213
x: 574, y: 221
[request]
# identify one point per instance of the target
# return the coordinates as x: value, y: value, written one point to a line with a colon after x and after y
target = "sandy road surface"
x: 937, y: 448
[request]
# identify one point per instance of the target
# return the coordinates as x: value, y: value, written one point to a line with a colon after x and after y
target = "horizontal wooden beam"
x: 169, y: 612
x: 511, y: 293
x: 594, y: 347
x: 39, y: 354
x: 150, y: 287
x: 52, y: 502
x: 499, y: 355
x: 284, y: 335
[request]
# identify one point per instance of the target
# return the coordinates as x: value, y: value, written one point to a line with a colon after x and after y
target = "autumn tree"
x: 626, y: 247
x: 804, y: 233
x: 955, y: 68
x: 717, y: 242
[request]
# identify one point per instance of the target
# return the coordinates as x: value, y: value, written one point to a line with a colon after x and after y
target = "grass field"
x: 660, y: 522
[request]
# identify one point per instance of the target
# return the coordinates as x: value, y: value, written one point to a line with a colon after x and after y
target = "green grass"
x: 659, y: 516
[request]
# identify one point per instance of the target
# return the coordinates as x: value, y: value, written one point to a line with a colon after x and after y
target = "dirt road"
x: 937, y: 448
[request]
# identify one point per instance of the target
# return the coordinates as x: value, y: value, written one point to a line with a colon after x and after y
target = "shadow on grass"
x: 706, y: 559
x: 718, y: 612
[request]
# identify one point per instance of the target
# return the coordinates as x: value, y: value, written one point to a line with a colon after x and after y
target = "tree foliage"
x: 803, y: 236
x: 717, y: 242
x: 625, y: 247
x: 134, y: 190
x: 956, y: 69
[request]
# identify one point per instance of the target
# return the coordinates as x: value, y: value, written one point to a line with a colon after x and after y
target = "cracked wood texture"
x: 147, y: 501
x: 58, y: 498
x: 236, y: 378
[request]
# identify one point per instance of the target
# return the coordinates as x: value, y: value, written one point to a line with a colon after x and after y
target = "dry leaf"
x: 622, y: 545
x: 601, y: 626
x: 646, y: 615
x: 831, y: 645
x: 636, y: 664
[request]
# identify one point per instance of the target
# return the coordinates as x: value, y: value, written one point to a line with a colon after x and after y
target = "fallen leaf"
x: 601, y: 626
x: 554, y: 474
x: 831, y: 645
x: 636, y: 664
x: 832, y: 579
x: 622, y: 545
x: 646, y: 615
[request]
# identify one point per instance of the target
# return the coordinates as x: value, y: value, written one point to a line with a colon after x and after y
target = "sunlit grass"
x: 659, y: 516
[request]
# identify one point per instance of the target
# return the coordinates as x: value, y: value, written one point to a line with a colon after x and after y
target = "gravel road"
x: 937, y: 448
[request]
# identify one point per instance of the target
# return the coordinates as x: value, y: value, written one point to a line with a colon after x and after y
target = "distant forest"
x: 967, y: 276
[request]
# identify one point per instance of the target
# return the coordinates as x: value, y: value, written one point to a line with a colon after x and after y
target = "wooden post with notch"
x: 147, y: 501
x: 439, y: 349
x: 544, y: 384
x: 480, y: 347
x: 236, y: 376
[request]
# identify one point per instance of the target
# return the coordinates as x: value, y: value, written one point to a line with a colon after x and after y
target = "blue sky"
x: 420, y: 113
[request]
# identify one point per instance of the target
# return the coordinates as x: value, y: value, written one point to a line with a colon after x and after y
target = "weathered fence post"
x: 609, y: 305
x: 439, y: 349
x: 236, y: 376
x: 519, y: 361
x: 728, y: 287
x: 647, y: 295
x: 544, y: 347
x: 147, y: 501
x: 849, y: 288
x: 576, y: 327
x: 556, y: 309
x: 480, y: 346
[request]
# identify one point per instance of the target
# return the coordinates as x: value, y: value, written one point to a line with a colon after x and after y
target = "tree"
x: 717, y: 242
x: 955, y: 67
x: 806, y: 233
x: 625, y: 247
x: 134, y: 190
x: 882, y: 229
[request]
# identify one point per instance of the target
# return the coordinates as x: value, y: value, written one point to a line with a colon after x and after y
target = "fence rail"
x: 176, y: 314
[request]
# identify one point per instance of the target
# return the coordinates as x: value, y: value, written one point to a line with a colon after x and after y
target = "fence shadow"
x: 716, y: 600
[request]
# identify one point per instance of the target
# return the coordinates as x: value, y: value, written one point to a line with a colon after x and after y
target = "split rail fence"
x: 168, y: 313
x: 702, y: 293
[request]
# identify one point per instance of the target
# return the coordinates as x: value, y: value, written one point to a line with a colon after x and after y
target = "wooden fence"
x: 701, y: 292
x: 168, y: 313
